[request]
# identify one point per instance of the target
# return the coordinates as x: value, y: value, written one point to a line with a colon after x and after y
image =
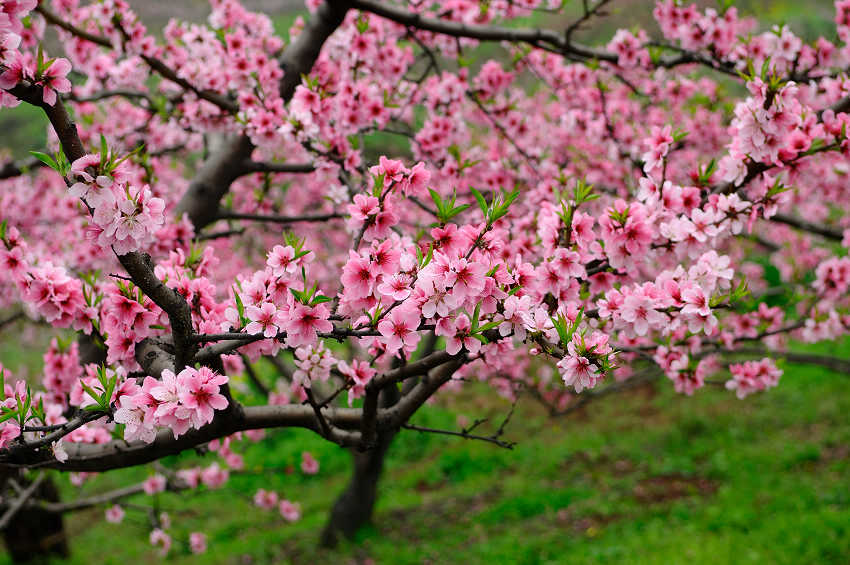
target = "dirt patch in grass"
x: 827, y: 455
x: 666, y: 488
x: 838, y: 452
x: 605, y: 463
x: 590, y: 524
x: 410, y: 523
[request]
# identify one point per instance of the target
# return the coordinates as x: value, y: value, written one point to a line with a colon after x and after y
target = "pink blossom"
x: 399, y: 329
x: 291, y: 512
x: 154, y: 484
x: 197, y: 542
x: 54, y: 80
x: 199, y: 393
x: 114, y: 514
x: 266, y: 319
x: 304, y: 323
x: 753, y: 376
x: 161, y: 539
x: 265, y: 499
x: 457, y: 334
x: 357, y: 278
x: 214, y: 476
x: 309, y: 465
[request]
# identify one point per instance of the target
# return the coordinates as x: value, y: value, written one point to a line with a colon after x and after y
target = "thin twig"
x: 462, y: 434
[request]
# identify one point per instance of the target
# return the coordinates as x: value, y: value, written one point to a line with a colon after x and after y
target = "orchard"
x: 552, y: 219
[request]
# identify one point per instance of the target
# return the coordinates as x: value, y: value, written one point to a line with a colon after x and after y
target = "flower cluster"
x: 125, y: 217
x: 587, y: 356
x: 17, y: 66
x: 177, y: 402
x: 268, y: 500
x: 753, y: 376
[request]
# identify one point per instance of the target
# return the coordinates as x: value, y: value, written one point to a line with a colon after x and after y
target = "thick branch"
x: 140, y: 268
x: 119, y: 454
x: 536, y: 37
x: 399, y: 414
x: 229, y: 161
x: 278, y: 219
x: 267, y: 167
x: 299, y: 57
x: 138, y: 265
x: 800, y: 224
x: 12, y: 169
x: 213, y: 180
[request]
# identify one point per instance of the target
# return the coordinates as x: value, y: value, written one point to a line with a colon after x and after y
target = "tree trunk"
x: 35, y: 534
x: 353, y: 509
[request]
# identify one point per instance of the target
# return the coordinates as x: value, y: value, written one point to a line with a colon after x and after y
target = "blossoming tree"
x: 556, y: 221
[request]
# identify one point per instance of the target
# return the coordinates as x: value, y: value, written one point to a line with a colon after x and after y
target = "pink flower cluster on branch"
x: 178, y: 402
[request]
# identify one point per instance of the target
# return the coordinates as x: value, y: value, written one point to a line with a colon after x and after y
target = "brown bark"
x: 354, y: 506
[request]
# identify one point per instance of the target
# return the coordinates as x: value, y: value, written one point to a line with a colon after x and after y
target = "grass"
x: 646, y: 477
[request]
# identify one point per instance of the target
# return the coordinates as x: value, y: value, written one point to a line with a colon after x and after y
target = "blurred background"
x: 645, y: 476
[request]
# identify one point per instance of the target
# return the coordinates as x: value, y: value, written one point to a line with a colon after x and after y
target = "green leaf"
x: 438, y: 202
x: 362, y: 24
x: 379, y: 185
x: 482, y: 203
x: 475, y: 314
x: 8, y: 414
x: 297, y: 294
x: 560, y: 324
x: 64, y: 164
x: 457, y: 210
x: 428, y: 256
x: 46, y: 159
x: 239, y: 306
x: 104, y: 152
x: 765, y: 67
x: 92, y: 393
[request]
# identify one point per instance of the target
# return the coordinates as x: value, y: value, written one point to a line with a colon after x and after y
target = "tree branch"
x: 535, y: 37
x: 119, y: 454
x: 155, y: 64
x: 225, y: 215
x: 18, y: 503
x: 267, y: 167
x: 201, y: 200
x: 800, y: 224
x: 462, y: 434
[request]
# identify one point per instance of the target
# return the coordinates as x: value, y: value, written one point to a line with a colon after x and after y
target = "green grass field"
x: 644, y: 477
